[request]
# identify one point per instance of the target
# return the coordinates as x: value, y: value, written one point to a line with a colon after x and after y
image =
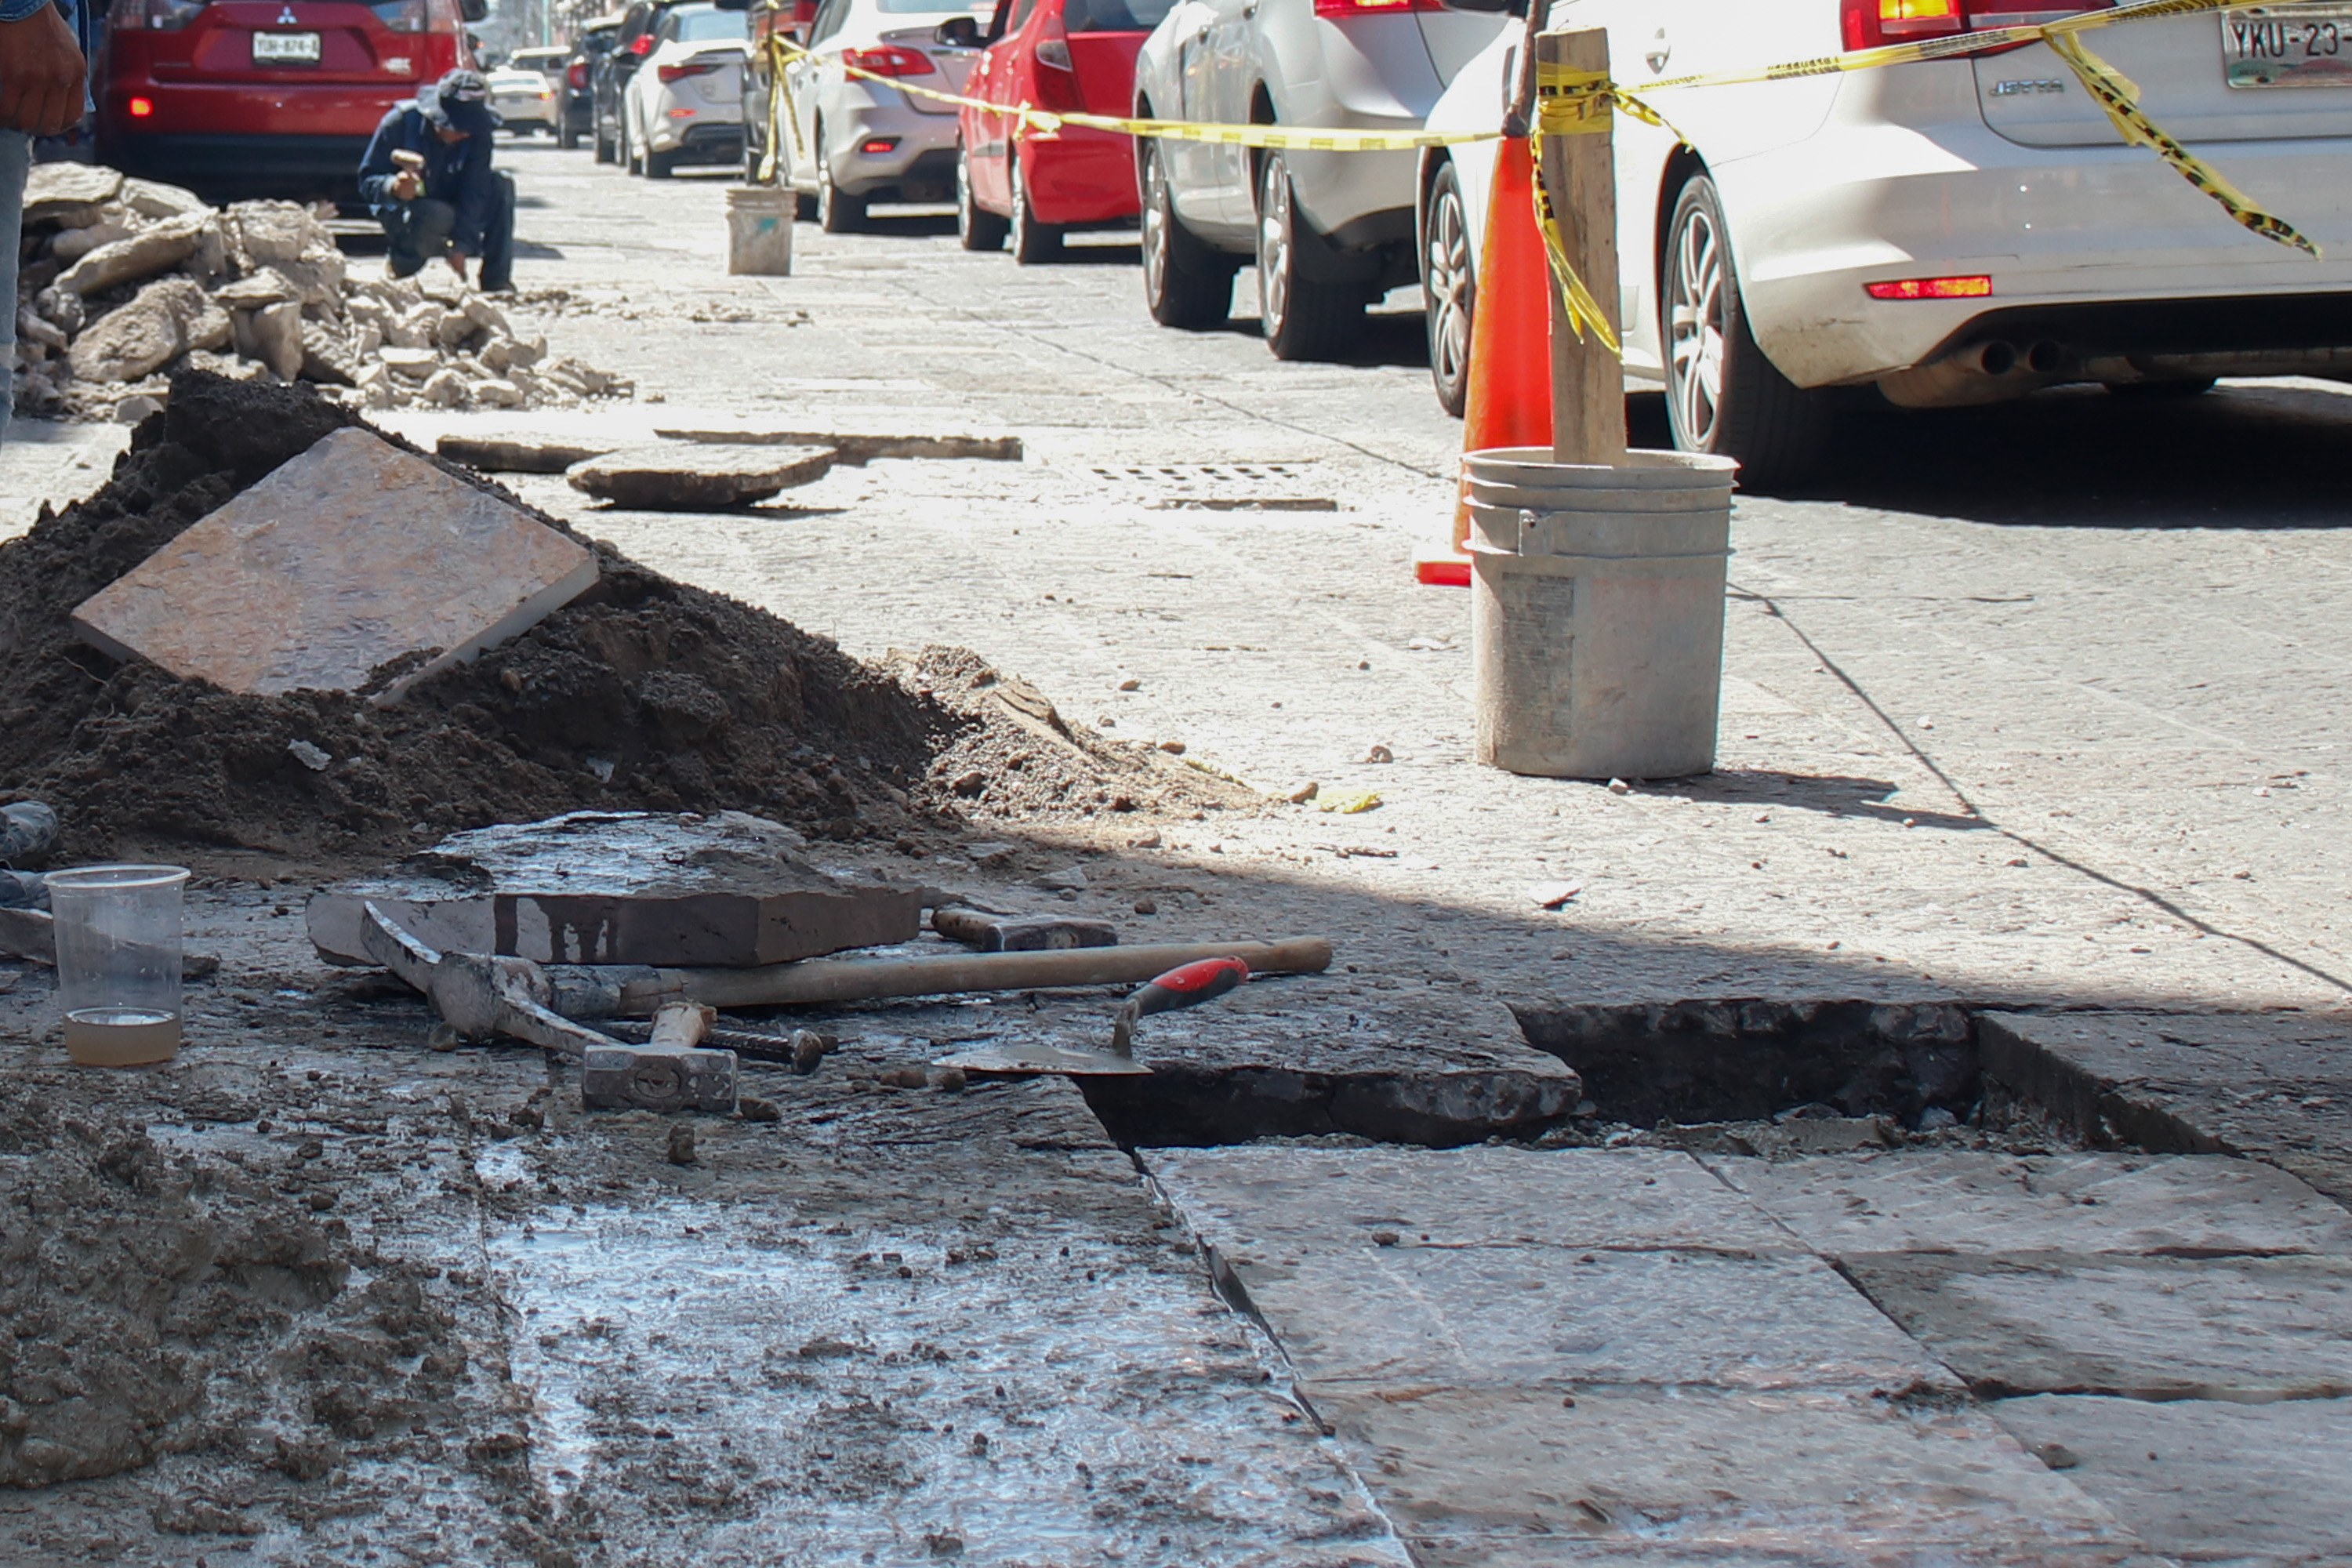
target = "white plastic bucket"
x: 760, y: 230
x: 1596, y: 611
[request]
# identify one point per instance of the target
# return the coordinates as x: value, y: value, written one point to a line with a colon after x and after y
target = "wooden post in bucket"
x: 1579, y: 172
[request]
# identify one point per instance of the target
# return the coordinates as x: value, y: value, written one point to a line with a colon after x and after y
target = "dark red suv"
x: 265, y: 97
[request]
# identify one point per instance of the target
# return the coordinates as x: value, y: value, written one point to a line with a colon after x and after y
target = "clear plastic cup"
x: 118, y: 934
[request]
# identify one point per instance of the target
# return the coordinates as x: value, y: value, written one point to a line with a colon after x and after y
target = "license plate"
x: 2287, y: 46
x: 285, y: 49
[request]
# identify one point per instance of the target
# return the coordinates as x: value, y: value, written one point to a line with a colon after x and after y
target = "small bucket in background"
x: 118, y: 936
x: 760, y: 230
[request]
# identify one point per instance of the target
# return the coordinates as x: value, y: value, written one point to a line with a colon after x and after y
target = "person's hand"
x: 458, y: 263
x: 406, y: 186
x: 41, y: 74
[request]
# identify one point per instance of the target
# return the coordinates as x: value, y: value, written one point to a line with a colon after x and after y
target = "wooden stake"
x: 1587, y: 382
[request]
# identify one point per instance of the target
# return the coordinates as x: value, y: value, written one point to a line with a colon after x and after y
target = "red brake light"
x: 889, y: 60
x: 1056, y: 82
x: 642, y: 45
x: 1867, y: 24
x: 1340, y: 10
x: 576, y: 74
x: 140, y: 107
x: 692, y: 67
x: 804, y: 13
x: 1930, y: 289
x: 163, y: 15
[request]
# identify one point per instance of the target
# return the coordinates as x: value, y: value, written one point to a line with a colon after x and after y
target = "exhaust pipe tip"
x: 2046, y: 358
x: 1997, y: 358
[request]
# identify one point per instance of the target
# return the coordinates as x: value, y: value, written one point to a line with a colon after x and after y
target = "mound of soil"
x: 644, y: 693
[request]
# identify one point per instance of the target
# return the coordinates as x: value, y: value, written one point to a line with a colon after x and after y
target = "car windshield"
x: 1113, y: 16
x: 699, y: 25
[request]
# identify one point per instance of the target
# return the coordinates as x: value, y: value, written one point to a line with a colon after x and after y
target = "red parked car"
x: 265, y: 97
x: 1033, y: 187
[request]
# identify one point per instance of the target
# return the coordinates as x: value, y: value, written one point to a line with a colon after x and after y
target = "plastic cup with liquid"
x: 118, y: 935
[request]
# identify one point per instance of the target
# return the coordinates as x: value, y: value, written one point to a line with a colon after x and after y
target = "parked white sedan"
x: 522, y: 99
x: 684, y: 103
x: 1952, y: 232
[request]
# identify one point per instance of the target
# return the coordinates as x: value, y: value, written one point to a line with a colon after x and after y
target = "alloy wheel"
x: 1273, y: 245
x: 1156, y: 223
x: 1446, y: 279
x: 1695, y: 328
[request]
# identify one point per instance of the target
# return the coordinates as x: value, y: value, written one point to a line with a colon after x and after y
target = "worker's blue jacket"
x: 458, y: 174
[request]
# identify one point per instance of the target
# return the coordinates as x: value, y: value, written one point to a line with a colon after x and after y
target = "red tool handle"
x: 1188, y: 986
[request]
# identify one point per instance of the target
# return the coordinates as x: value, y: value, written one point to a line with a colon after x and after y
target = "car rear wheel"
x: 660, y: 166
x: 629, y: 151
x: 567, y: 138
x: 1032, y: 241
x: 976, y: 227
x: 1722, y: 394
x: 1185, y: 283
x: 1305, y: 318
x: 837, y: 212
x: 607, y: 150
x: 1447, y: 291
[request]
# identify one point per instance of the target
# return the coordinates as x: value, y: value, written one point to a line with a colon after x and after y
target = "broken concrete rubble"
x: 91, y: 234
x: 351, y: 556
x: 622, y: 888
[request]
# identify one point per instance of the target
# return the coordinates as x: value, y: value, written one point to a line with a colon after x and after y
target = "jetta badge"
x: 2018, y: 88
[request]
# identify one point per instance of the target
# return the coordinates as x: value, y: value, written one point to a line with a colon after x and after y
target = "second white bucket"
x: 760, y: 230
x: 1596, y: 611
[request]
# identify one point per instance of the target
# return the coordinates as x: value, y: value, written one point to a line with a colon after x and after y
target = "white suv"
x: 1330, y: 232
x: 1952, y: 232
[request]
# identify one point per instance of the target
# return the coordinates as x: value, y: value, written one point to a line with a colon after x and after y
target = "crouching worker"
x: 428, y: 179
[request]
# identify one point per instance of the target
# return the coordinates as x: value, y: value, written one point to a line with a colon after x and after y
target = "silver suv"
x: 1330, y: 232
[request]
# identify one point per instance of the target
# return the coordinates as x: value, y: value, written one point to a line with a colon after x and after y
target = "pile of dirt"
x: 645, y: 693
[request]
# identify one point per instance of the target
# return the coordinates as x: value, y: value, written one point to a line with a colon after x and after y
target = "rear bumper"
x: 1079, y: 176
x: 2102, y: 251
x: 919, y: 166
x: 242, y: 167
x: 712, y: 131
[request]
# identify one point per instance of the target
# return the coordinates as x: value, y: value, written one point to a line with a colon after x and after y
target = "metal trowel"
x: 1187, y: 987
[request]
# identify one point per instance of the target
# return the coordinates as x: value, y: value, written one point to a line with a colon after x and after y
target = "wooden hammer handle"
x: 681, y: 1025
x: 859, y: 980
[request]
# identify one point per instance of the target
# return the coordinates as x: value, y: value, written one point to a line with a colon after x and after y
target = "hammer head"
x: 649, y: 1077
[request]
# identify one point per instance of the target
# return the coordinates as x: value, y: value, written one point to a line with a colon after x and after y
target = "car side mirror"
x: 957, y: 33
x: 473, y: 10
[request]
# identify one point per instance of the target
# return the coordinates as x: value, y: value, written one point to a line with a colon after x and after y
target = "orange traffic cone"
x: 1510, y: 345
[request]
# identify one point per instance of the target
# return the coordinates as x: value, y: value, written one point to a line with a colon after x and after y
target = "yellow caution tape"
x: 1577, y: 102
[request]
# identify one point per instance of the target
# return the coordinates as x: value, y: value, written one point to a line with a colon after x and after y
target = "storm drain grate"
x: 1220, y: 486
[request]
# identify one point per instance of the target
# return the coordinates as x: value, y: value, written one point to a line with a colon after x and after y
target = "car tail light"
x: 441, y: 17
x: 1057, y: 81
x: 878, y: 144
x: 1340, y: 10
x: 642, y: 45
x: 575, y: 75
x: 889, y: 60
x: 1975, y: 288
x: 162, y: 15
x: 140, y: 107
x: 805, y: 13
x: 1867, y: 24
x: 402, y: 16
x: 692, y: 67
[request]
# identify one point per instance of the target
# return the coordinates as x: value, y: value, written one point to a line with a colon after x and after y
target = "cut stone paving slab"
x: 1534, y: 1316
x: 517, y: 453
x: 858, y: 447
x: 2277, y: 1087
x: 1248, y: 1201
x: 2247, y: 1329
x: 697, y: 478
x: 1481, y: 1476
x: 350, y: 556
x: 2203, y: 1481
x: 1971, y: 1201
x: 622, y: 887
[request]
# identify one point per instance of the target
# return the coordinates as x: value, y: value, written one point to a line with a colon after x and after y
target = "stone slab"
x: 622, y: 887
x: 1246, y: 1201
x: 350, y: 556
x: 1500, y: 1477
x: 2201, y: 1481
x: 518, y: 454
x: 2150, y: 1328
x: 1505, y: 1317
x: 858, y: 447
x: 1974, y: 1200
x: 2277, y: 1087
x: 685, y: 478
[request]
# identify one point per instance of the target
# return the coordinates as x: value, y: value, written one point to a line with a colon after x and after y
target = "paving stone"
x: 697, y: 478
x: 349, y: 557
x: 1971, y: 1201
x: 2274, y: 1086
x: 623, y: 888
x: 152, y: 198
x: 1246, y: 1201
x: 144, y: 254
x: 1533, y: 1316
x: 1502, y: 1477
x: 860, y: 445
x: 65, y: 190
x: 2151, y: 1328
x: 2208, y: 1481
x: 517, y: 454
